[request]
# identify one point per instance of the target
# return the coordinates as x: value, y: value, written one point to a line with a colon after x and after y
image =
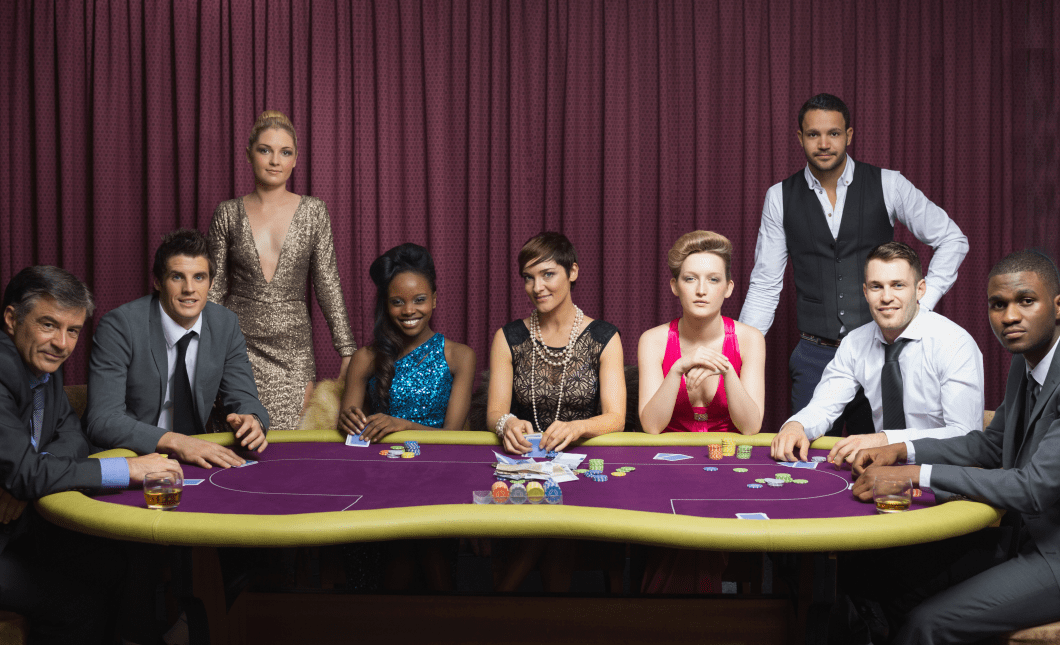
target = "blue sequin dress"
x: 421, y: 386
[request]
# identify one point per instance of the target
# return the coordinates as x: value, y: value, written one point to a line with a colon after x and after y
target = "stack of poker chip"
x: 728, y: 447
x: 623, y: 471
x: 500, y: 492
x: 596, y: 464
x: 819, y: 459
x: 535, y: 492
x: 553, y: 495
x: 714, y: 451
x: 395, y: 452
x: 743, y: 451
x: 517, y: 494
x: 784, y: 477
x: 597, y: 476
x: 413, y: 447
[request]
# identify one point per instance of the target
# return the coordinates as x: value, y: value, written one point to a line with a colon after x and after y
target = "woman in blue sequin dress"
x: 408, y: 378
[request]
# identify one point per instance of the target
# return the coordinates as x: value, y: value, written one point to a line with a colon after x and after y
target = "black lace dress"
x: 581, y: 389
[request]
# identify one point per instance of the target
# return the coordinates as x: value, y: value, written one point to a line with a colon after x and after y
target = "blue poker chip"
x: 754, y: 485
x: 596, y: 472
x: 710, y: 469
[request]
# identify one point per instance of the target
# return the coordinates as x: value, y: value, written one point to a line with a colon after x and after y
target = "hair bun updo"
x: 268, y: 120
x: 402, y: 258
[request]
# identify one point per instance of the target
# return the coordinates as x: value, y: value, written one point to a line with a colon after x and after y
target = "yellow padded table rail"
x: 79, y: 512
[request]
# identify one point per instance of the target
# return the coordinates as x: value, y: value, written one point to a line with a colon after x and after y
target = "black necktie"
x: 185, y: 420
x: 891, y: 383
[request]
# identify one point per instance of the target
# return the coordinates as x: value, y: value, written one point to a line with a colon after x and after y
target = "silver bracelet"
x: 499, y: 428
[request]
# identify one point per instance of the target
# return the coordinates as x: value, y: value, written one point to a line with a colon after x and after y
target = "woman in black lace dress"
x: 557, y: 372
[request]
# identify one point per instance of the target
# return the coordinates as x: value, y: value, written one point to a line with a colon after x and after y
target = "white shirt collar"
x: 173, y: 331
x: 1041, y: 370
x: 912, y: 331
x: 844, y: 179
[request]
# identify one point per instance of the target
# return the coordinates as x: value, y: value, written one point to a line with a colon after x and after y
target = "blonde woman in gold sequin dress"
x: 266, y: 244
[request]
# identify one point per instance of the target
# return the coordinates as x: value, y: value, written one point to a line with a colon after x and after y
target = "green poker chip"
x: 739, y: 470
x: 760, y: 481
x: 800, y: 481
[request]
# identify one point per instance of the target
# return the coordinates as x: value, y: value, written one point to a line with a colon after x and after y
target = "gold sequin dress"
x: 273, y: 315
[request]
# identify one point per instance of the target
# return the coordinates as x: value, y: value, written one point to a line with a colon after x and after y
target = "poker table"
x: 309, y: 489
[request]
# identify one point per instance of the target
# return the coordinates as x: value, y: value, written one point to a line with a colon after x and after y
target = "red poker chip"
x: 917, y: 492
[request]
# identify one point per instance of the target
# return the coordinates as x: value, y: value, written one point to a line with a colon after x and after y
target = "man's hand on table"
x: 872, y: 461
x: 847, y: 448
x: 10, y: 508
x: 248, y: 428
x: 197, y: 452
x: 140, y: 467
x: 863, y: 485
x: 790, y: 444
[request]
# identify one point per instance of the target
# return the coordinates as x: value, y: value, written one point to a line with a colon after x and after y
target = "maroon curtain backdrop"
x: 469, y: 126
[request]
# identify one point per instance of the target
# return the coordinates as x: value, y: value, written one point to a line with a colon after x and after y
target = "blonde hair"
x: 699, y: 242
x: 272, y: 119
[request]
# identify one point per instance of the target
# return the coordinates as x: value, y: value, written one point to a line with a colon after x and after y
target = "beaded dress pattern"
x: 422, y: 384
x: 581, y: 390
x: 273, y: 314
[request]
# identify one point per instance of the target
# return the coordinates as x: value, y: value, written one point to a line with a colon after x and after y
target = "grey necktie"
x: 891, y: 384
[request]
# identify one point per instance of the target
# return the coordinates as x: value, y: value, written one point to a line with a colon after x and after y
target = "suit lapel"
x: 205, y: 367
x: 158, y: 350
x: 1015, y: 395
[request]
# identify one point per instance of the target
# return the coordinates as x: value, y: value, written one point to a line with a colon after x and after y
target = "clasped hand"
x: 701, y: 365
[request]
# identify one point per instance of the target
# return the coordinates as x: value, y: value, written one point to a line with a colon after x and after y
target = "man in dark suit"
x: 158, y: 364
x: 58, y: 578
x: 1014, y: 464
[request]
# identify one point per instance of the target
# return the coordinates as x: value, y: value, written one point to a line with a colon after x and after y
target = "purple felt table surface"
x: 292, y: 478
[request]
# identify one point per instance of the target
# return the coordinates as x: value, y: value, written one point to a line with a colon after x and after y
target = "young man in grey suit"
x: 1014, y: 464
x: 60, y: 579
x: 158, y: 364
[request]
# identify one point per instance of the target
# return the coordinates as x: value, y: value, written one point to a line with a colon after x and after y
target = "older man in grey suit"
x: 1014, y: 464
x: 158, y: 364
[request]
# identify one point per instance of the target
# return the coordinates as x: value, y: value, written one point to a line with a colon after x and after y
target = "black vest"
x: 829, y: 272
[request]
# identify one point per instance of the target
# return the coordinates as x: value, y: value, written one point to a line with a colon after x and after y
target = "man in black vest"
x: 827, y: 217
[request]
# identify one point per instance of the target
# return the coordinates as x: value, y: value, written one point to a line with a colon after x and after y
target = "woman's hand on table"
x: 559, y: 435
x: 514, y: 441
x: 352, y: 420
x: 380, y: 425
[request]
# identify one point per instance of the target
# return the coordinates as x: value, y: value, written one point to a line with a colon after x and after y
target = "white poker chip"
x: 819, y: 459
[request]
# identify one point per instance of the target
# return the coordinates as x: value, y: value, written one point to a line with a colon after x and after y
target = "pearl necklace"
x: 560, y: 358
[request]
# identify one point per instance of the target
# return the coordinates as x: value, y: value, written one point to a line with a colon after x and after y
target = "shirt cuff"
x: 910, y: 452
x: 925, y: 476
x: 115, y: 472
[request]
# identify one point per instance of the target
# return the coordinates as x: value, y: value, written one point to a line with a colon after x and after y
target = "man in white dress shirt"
x: 936, y: 392
x: 826, y: 218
